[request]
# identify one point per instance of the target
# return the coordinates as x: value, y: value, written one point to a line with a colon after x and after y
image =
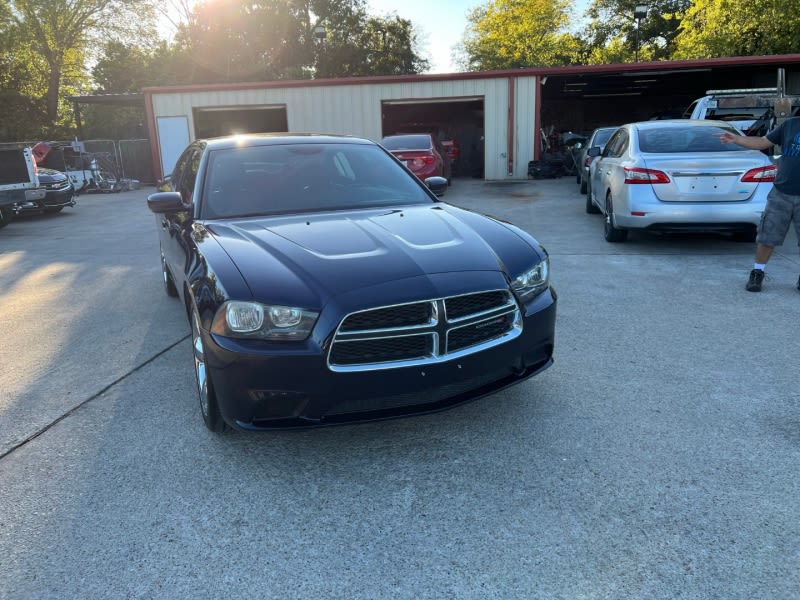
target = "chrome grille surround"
x: 478, y: 321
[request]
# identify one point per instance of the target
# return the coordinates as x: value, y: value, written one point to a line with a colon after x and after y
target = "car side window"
x: 616, y: 144
x: 185, y: 173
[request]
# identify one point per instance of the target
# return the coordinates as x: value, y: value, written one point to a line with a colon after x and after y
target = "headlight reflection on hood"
x: 533, y: 281
x: 254, y: 320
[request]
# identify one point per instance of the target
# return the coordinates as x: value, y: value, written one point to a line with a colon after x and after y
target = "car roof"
x: 679, y: 123
x: 275, y: 139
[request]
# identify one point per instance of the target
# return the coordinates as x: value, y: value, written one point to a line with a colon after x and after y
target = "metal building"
x: 498, y: 117
x: 489, y: 115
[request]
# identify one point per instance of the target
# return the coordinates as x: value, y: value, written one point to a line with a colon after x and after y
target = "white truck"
x: 753, y: 110
x: 18, y: 181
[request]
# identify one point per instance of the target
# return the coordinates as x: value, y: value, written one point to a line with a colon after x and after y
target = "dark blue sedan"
x: 324, y: 283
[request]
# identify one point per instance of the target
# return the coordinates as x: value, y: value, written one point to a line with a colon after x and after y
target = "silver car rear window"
x: 670, y: 140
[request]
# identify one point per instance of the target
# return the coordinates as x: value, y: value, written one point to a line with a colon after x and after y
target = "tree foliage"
x: 57, y: 37
x: 233, y: 40
x: 52, y: 49
x: 714, y: 28
x: 614, y: 35
x: 507, y: 34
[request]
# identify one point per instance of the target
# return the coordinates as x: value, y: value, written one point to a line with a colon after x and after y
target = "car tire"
x: 6, y: 216
x: 590, y: 206
x: 169, y: 283
x: 612, y: 234
x: 209, y: 407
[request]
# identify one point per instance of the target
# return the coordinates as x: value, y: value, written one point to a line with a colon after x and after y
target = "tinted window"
x: 407, y: 142
x: 735, y: 113
x: 685, y: 139
x: 185, y: 172
x: 291, y: 178
x: 616, y: 144
x: 601, y: 137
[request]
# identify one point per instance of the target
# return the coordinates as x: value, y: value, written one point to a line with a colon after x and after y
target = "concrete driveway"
x: 657, y: 458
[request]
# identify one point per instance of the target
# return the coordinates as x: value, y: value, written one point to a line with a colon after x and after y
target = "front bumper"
x: 295, y: 388
x: 48, y: 199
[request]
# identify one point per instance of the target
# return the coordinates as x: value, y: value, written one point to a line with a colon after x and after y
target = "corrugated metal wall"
x: 356, y: 110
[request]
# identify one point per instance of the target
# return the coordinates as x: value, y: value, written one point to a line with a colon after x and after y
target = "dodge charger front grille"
x: 424, y: 332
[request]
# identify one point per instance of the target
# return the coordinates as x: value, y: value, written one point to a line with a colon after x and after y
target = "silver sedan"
x: 676, y: 175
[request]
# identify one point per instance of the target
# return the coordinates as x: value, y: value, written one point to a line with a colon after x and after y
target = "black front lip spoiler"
x: 398, y: 412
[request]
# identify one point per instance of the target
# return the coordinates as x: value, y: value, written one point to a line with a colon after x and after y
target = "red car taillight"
x: 639, y: 175
x: 761, y: 174
x: 429, y: 160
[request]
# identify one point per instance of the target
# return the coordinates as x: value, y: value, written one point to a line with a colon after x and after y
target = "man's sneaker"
x: 756, y: 278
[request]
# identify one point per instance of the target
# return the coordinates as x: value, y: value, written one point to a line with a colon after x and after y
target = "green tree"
x: 64, y: 32
x: 507, y: 34
x: 714, y: 28
x: 378, y: 46
x: 275, y: 39
x: 614, y: 35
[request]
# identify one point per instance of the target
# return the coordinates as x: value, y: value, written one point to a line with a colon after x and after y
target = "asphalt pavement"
x: 657, y: 458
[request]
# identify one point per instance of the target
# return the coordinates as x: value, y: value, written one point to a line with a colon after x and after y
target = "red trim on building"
x: 510, y: 137
x: 666, y: 65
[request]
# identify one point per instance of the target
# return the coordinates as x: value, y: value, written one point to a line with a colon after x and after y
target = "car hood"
x: 331, y: 253
x: 50, y: 175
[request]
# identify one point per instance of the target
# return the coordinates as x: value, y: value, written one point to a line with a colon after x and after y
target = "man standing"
x: 783, y: 201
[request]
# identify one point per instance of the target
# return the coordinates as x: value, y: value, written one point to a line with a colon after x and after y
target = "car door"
x: 607, y: 167
x: 174, y: 226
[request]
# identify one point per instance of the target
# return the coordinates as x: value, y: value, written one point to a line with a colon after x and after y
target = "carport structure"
x: 496, y: 117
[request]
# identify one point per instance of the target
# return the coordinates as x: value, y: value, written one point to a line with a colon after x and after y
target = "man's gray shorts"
x: 781, y: 209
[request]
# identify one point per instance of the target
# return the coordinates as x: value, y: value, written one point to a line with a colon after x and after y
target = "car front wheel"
x: 208, y: 399
x: 612, y: 233
x: 590, y: 207
x: 6, y: 216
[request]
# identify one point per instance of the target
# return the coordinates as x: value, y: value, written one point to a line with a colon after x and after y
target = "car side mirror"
x: 166, y: 202
x: 593, y: 151
x: 438, y: 185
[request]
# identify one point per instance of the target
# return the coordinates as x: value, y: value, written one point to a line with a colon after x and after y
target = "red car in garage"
x: 422, y: 154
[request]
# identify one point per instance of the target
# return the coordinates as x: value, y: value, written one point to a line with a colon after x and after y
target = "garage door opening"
x: 460, y: 119
x: 217, y: 121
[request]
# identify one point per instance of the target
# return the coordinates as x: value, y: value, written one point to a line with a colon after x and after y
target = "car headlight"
x: 263, y: 321
x: 533, y: 281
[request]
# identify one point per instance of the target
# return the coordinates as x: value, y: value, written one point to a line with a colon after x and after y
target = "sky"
x: 440, y: 24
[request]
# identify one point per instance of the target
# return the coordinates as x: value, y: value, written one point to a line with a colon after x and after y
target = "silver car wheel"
x: 612, y: 234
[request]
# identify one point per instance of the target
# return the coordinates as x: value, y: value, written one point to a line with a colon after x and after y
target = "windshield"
x: 292, y: 178
x: 736, y: 113
x: 686, y: 139
x: 601, y: 137
x: 407, y: 142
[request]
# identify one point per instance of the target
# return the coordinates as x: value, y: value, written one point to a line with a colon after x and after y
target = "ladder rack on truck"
x: 753, y: 110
